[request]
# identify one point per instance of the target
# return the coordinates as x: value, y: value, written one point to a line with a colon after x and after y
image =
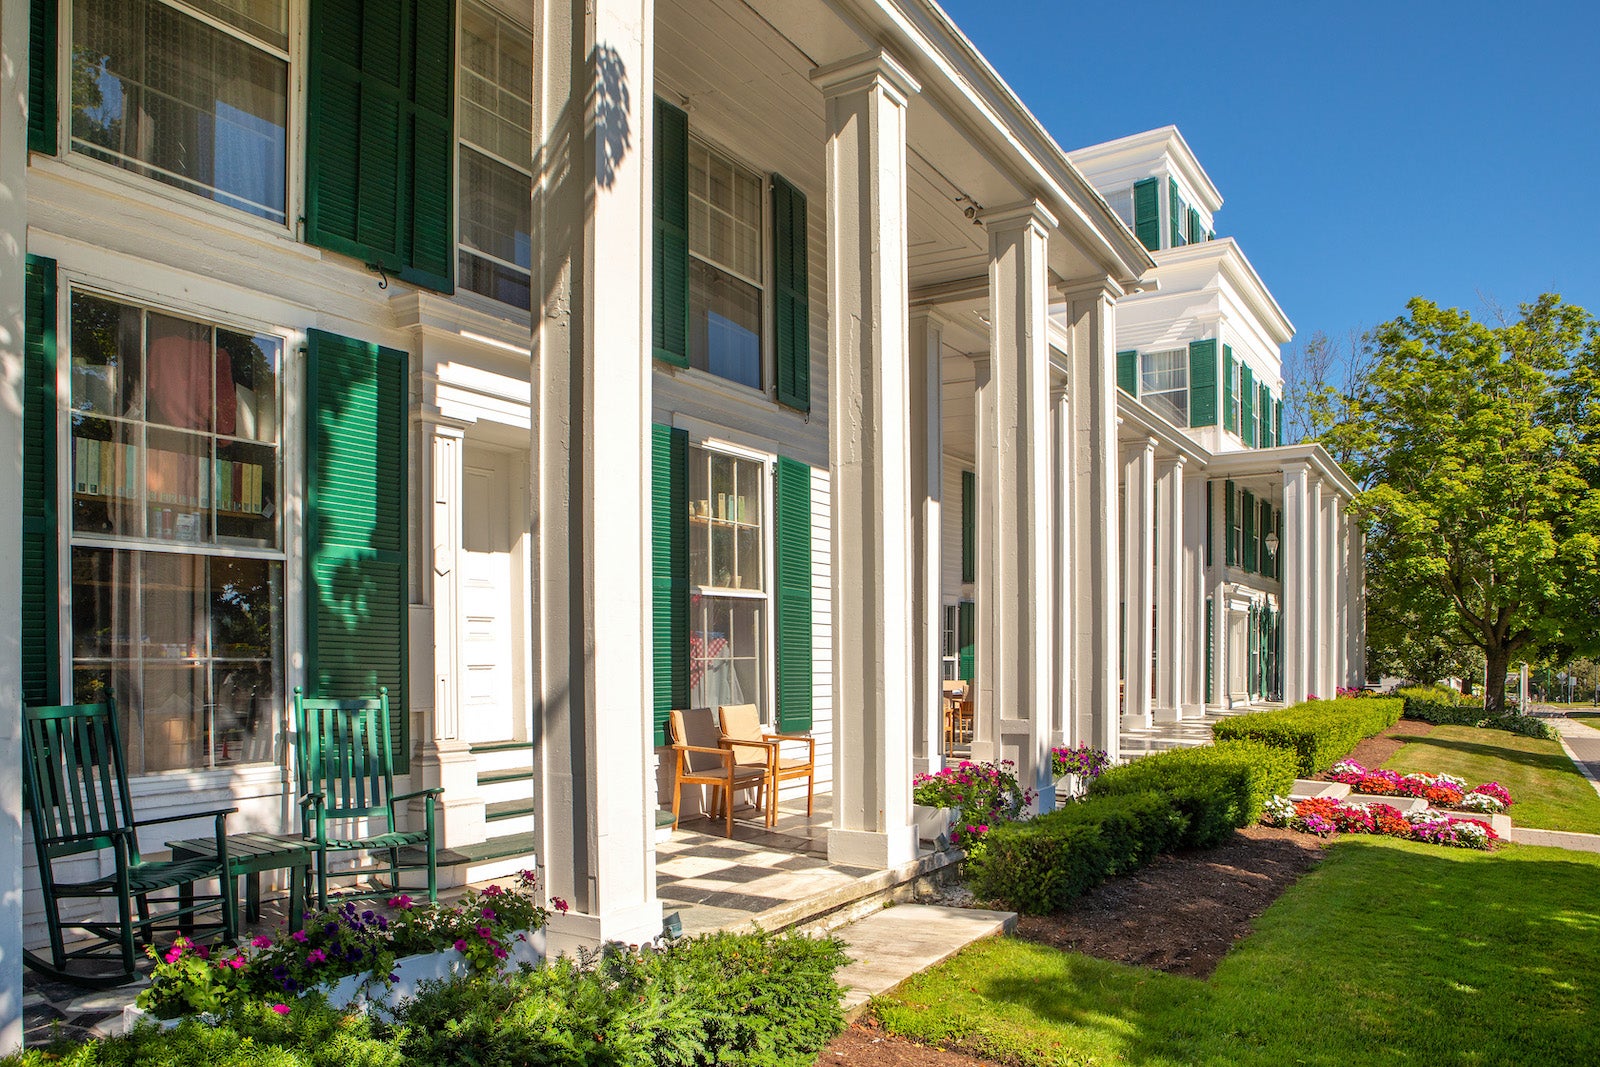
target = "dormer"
x: 1155, y: 183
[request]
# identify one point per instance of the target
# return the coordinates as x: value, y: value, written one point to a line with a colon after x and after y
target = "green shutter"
x: 669, y: 573
x: 43, y: 105
x: 1211, y: 524
x: 1174, y: 213
x: 1230, y: 419
x: 1277, y: 420
x: 1128, y: 373
x: 356, y: 466
x: 1247, y: 405
x: 380, y: 142
x: 1195, y: 233
x: 669, y: 243
x: 1211, y: 647
x: 1147, y: 212
x: 969, y: 526
x: 1203, y: 383
x: 1249, y: 533
x: 791, y: 297
x: 966, y: 638
x: 1264, y: 417
x: 1230, y: 518
x: 792, y: 493
x: 41, y: 648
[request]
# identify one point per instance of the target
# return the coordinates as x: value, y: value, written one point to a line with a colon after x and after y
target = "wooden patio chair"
x: 754, y: 747
x: 347, y: 779
x: 79, y: 804
x: 700, y: 759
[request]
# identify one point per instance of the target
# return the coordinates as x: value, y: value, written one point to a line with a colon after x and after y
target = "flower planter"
x: 1069, y: 785
x: 133, y: 1015
x: 364, y: 991
x: 934, y: 823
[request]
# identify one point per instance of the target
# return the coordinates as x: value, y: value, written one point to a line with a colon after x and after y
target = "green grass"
x: 1389, y: 953
x: 1548, y: 791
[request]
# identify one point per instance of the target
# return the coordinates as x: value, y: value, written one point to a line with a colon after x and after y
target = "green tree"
x: 1479, y: 450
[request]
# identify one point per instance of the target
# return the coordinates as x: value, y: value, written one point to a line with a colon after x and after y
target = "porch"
x: 1140, y: 739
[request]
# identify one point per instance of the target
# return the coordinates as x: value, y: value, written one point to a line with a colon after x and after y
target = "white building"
x: 299, y: 385
x: 1237, y: 548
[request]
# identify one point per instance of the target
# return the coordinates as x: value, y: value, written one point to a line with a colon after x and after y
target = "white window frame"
x: 293, y: 133
x: 950, y: 640
x: 290, y: 488
x: 1181, y: 355
x: 763, y: 284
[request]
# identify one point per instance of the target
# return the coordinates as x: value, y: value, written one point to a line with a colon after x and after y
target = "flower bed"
x: 987, y: 794
x: 1491, y: 798
x: 1325, y: 816
x: 347, y: 951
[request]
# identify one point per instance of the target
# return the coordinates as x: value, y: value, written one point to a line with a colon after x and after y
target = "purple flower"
x: 461, y: 945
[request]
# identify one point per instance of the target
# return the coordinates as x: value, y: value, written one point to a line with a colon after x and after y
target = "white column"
x: 869, y: 458
x: 927, y: 472
x: 13, y: 224
x: 1295, y: 556
x: 1172, y: 637
x: 1332, y: 642
x: 1357, y: 633
x: 1064, y: 725
x: 1014, y: 543
x: 1138, y: 560
x: 446, y: 759
x: 1194, y: 593
x: 591, y: 452
x: 1096, y: 580
x: 1317, y: 586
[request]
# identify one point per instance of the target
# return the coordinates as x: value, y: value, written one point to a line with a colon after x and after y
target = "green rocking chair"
x: 79, y: 804
x: 347, y: 779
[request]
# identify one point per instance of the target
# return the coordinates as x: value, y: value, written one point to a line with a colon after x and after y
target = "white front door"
x: 491, y: 582
x: 1238, y: 653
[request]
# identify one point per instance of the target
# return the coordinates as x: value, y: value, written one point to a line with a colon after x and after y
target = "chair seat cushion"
x: 145, y: 878
x: 394, y: 839
x: 792, y: 763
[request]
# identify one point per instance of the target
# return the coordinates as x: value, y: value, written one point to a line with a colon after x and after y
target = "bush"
x: 1318, y: 732
x: 1523, y: 725
x: 1440, y: 706
x: 1218, y: 787
x: 1041, y: 865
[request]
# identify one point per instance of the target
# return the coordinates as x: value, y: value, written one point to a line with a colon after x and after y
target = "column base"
x: 631, y: 925
x: 879, y: 850
x: 1173, y: 714
x: 1046, y: 801
x: 930, y: 765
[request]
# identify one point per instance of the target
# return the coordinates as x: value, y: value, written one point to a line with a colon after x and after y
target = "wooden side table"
x: 249, y: 855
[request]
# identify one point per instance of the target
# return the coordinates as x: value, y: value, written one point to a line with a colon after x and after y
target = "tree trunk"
x: 1494, y: 693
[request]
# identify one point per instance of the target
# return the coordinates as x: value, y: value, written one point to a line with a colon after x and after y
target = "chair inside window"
x: 347, y: 782
x: 742, y: 732
x: 80, y: 807
x: 700, y: 759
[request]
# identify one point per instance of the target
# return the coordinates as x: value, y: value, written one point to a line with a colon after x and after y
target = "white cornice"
x: 1150, y: 145
x: 1232, y: 261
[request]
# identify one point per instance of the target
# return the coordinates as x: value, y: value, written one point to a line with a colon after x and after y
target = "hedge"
x: 1318, y: 732
x: 1440, y: 706
x: 1184, y: 798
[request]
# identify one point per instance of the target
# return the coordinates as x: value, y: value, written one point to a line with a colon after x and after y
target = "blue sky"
x: 1366, y: 153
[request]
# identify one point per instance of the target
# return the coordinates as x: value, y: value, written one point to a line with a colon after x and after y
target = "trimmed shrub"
x: 1041, y: 865
x: 1218, y: 787
x: 1440, y: 706
x: 1522, y: 725
x: 1318, y: 732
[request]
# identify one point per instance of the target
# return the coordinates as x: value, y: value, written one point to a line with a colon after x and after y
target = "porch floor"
x: 1140, y: 741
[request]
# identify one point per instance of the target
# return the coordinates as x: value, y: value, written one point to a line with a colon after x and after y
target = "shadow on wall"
x: 610, y: 101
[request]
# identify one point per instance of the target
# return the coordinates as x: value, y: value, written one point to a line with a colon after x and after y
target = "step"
x: 1400, y: 804
x: 1306, y: 788
x: 825, y: 912
x: 481, y: 747
x: 515, y: 774
x: 493, y: 848
x: 507, y: 809
x: 894, y: 943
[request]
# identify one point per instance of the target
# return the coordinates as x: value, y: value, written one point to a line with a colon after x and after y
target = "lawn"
x: 1549, y: 792
x: 1390, y: 952
x: 1591, y: 719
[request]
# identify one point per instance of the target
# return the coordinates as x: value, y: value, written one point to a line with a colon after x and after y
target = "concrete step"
x: 1400, y: 804
x: 828, y: 911
x: 1306, y: 788
x: 892, y: 944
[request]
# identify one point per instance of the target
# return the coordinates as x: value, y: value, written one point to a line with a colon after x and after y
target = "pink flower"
x: 461, y: 945
x: 487, y: 913
x: 261, y: 941
x: 500, y: 953
x: 484, y: 932
x: 401, y: 902
x: 174, y: 953
x: 236, y: 962
x: 316, y: 955
x: 281, y: 1009
x: 300, y: 936
x: 559, y: 904
x: 493, y: 891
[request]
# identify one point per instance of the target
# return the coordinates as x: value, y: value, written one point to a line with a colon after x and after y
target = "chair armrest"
x: 72, y: 839
x: 810, y: 742
x: 432, y: 791
x: 308, y: 799
x: 213, y: 813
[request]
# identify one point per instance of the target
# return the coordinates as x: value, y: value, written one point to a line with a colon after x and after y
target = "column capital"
x: 934, y: 317
x: 1019, y: 216
x: 1130, y: 449
x: 1103, y: 288
x: 1173, y: 462
x: 875, y: 69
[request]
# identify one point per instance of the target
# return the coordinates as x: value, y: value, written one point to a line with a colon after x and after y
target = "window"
x: 728, y: 603
x: 725, y: 295
x: 950, y: 647
x: 496, y: 165
x: 1235, y: 398
x: 164, y: 94
x: 1236, y: 532
x: 1164, y: 383
x: 1180, y: 220
x: 1122, y: 203
x: 177, y: 564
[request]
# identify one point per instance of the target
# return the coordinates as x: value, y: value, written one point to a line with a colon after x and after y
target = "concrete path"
x: 1582, y: 745
x: 891, y: 945
x: 1523, y: 835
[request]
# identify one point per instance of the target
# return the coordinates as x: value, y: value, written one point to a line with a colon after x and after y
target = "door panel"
x: 491, y: 703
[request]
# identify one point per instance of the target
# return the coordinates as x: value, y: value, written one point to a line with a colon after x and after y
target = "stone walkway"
x: 1582, y: 746
x: 892, y: 944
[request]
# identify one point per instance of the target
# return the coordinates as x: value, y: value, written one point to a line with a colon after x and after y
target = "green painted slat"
x: 791, y: 295
x: 1263, y: 527
x: 1229, y: 524
x: 1211, y: 647
x: 1128, y: 373
x: 669, y: 574
x: 1249, y: 532
x: 1230, y: 417
x: 1147, y: 212
x: 1196, y: 234
x: 1174, y: 213
x: 41, y: 660
x: 357, y: 612
x: 969, y: 526
x: 1247, y: 405
x: 966, y: 640
x: 1203, y: 383
x: 44, y: 107
x: 1264, y: 417
x: 431, y: 253
x: 670, y: 238
x: 792, y: 539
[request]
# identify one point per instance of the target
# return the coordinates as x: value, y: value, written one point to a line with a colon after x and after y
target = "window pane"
x: 496, y: 158
x: 727, y: 640
x: 247, y: 385
x: 178, y: 355
x: 177, y: 486
x: 102, y: 603
x: 267, y: 20
x: 496, y: 228
x: 1164, y: 384
x: 106, y: 477
x: 496, y: 85
x: 163, y: 94
x: 173, y: 713
x: 725, y: 325
x: 174, y: 605
x: 726, y: 542
x: 724, y: 212
x: 106, y: 357
x: 246, y: 487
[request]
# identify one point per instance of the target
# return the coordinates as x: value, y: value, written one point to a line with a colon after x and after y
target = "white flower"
x: 1348, y: 766
x: 1450, y: 779
x: 1482, y: 802
x: 1426, y: 817
x: 1278, y: 811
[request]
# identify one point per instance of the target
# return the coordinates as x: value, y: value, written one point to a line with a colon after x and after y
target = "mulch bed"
x: 865, y: 1045
x: 1376, y: 751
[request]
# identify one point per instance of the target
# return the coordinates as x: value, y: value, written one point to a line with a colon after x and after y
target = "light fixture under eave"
x: 1272, y: 543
